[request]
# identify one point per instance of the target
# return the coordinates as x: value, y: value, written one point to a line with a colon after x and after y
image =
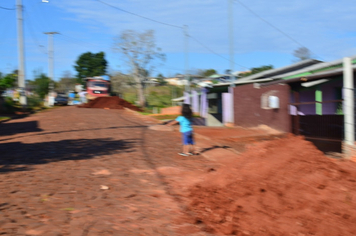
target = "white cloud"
x: 327, y: 28
x: 312, y: 23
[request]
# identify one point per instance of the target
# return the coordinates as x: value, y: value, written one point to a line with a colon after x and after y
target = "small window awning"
x: 315, y: 82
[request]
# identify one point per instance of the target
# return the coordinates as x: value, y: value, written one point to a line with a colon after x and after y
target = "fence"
x: 322, y: 123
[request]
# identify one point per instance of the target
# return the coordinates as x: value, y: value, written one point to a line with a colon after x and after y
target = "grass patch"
x: 144, y: 113
x: 4, y: 118
x: 160, y: 96
x: 68, y: 209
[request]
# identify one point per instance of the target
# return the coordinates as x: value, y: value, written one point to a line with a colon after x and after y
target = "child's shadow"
x: 212, y: 148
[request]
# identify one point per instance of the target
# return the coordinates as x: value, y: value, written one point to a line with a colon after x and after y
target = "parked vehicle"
x: 97, y: 87
x: 61, y: 99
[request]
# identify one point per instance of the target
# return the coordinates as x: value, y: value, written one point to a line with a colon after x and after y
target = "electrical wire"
x: 71, y: 41
x: 5, y: 8
x: 179, y: 27
x: 144, y: 17
x: 274, y: 27
x: 5, y: 26
x: 43, y: 17
x: 41, y: 47
x: 215, y: 52
x: 78, y: 41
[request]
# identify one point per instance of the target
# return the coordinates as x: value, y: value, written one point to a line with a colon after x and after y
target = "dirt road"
x: 71, y: 171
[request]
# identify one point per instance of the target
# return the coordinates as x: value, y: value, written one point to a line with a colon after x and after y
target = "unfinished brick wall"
x: 249, y: 111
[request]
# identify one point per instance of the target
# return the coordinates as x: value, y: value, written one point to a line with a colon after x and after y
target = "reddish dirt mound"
x: 279, y: 187
x: 110, y: 103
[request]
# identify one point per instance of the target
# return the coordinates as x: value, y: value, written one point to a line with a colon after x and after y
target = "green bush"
x: 156, y: 99
x: 130, y: 97
x: 159, y: 97
x: 162, y: 96
x: 9, y: 104
x: 34, y: 101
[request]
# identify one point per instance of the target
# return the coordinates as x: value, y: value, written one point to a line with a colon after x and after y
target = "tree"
x: 207, y: 73
x: 121, y: 82
x: 66, y: 83
x: 160, y: 79
x: 302, y: 53
x: 90, y: 64
x: 41, y: 84
x: 256, y: 70
x: 7, y: 81
x: 140, y: 51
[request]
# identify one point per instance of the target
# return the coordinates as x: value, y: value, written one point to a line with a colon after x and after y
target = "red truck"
x: 97, y: 86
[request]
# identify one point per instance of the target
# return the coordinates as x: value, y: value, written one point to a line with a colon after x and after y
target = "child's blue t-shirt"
x: 185, y: 124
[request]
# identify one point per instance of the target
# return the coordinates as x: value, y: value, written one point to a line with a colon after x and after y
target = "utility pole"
x: 230, y: 114
x: 231, y: 41
x: 349, y: 113
x: 21, y: 73
x: 186, y: 64
x: 50, y: 64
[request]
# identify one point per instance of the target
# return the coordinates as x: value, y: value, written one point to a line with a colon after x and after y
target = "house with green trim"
x: 320, y: 84
x: 315, y: 85
x: 219, y: 109
x: 317, y: 104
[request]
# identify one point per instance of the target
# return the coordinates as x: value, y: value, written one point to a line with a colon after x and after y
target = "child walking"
x: 185, y: 122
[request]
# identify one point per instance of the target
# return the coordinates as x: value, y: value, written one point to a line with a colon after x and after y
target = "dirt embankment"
x: 110, y: 103
x: 279, y: 187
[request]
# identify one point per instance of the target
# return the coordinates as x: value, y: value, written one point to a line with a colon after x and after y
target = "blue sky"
x: 326, y: 27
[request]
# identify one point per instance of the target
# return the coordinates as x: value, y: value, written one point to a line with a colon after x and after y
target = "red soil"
x: 278, y: 187
x: 110, y: 103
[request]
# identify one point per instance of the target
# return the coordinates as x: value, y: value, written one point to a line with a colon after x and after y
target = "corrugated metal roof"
x: 311, y: 68
x: 272, y: 72
x: 241, y: 82
x: 320, y: 75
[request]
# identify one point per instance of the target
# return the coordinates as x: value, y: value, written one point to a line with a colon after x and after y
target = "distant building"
x: 181, y: 80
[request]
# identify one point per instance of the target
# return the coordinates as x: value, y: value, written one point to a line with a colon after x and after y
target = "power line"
x: 160, y: 22
x: 270, y: 24
x: 78, y: 41
x: 69, y: 40
x: 215, y: 52
x: 4, y: 21
x: 120, y: 9
x: 255, y: 14
x: 43, y: 16
x: 5, y: 8
x: 33, y: 34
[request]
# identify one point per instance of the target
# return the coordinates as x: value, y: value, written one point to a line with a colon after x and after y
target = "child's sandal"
x: 183, y: 154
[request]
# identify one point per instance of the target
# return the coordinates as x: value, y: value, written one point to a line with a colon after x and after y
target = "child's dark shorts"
x: 187, y: 138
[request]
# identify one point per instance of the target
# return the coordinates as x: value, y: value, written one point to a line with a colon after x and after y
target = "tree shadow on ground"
x: 17, y: 156
x: 66, y: 131
x: 18, y: 127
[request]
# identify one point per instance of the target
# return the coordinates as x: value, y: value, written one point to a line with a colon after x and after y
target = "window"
x: 265, y: 97
x: 97, y: 84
